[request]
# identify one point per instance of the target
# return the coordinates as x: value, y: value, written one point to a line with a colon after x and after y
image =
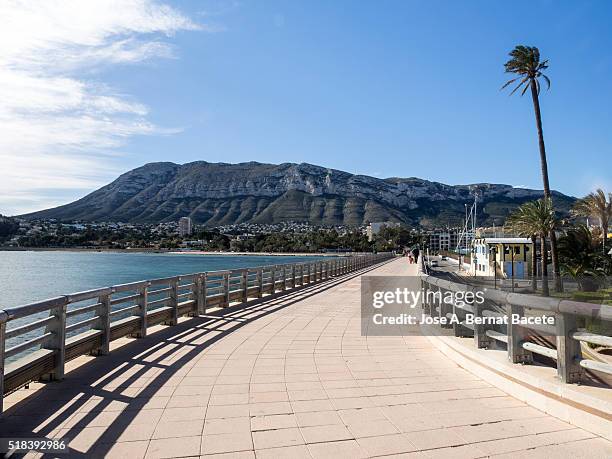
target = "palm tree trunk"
x: 534, y: 265
x: 544, y: 171
x: 604, y: 229
x: 544, y: 257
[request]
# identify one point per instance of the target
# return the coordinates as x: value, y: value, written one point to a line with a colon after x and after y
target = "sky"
x: 90, y: 90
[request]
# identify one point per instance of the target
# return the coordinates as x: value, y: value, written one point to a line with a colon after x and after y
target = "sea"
x: 30, y: 276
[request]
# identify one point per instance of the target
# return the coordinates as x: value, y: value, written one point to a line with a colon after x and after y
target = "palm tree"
x: 596, y: 205
x: 525, y: 62
x: 535, y: 218
x: 580, y: 258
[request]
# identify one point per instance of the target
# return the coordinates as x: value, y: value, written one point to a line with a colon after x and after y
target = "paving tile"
x: 318, y: 418
x: 227, y: 443
x: 348, y: 449
x: 259, y: 397
x: 309, y: 394
x: 430, y: 439
x: 228, y: 399
x: 221, y: 389
x: 274, y: 421
x: 234, y: 455
x: 124, y: 450
x: 289, y: 452
x: 174, y: 429
x: 318, y: 434
x: 267, y: 387
x: 312, y: 405
x: 277, y: 438
x: 386, y: 444
x: 356, y: 415
x: 184, y: 414
x: 227, y: 411
x: 174, y: 447
x: 226, y: 425
x: 372, y: 428
x: 183, y: 401
x: 267, y: 408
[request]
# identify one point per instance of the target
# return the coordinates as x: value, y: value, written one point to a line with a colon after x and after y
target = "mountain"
x: 221, y: 194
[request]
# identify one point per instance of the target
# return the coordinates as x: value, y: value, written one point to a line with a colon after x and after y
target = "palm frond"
x: 508, y: 83
x: 518, y: 86
x: 526, y: 88
x: 525, y: 62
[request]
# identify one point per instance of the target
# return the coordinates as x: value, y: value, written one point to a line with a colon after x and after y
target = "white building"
x: 184, y: 226
x: 509, y: 257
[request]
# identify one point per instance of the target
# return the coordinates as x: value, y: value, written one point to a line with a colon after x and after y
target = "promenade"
x: 290, y: 377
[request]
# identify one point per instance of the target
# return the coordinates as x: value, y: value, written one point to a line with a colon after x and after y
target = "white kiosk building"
x: 504, y: 257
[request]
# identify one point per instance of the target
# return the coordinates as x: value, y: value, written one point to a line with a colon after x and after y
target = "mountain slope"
x: 220, y: 193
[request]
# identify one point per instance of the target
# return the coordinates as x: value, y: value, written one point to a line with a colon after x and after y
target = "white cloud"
x: 58, y: 127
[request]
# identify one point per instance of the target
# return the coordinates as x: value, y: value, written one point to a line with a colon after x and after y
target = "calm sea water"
x: 31, y: 276
x: 26, y: 277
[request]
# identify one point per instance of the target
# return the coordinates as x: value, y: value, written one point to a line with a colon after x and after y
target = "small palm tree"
x: 535, y: 218
x: 525, y: 62
x: 599, y: 206
x: 580, y: 258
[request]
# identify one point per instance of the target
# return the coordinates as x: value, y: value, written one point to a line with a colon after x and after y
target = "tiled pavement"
x: 291, y: 377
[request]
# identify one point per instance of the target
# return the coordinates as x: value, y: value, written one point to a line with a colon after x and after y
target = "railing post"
x: 284, y: 279
x: 273, y: 277
x: 105, y: 323
x: 3, y: 319
x: 143, y: 294
x: 199, y: 293
x: 58, y: 341
x: 259, y: 282
x: 245, y: 285
x: 568, y: 349
x: 173, y: 302
x: 444, y: 309
x: 226, y: 289
x: 481, y: 339
x: 293, y: 276
x: 516, y: 335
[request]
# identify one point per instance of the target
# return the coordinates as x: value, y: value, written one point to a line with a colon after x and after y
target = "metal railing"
x: 524, y: 340
x: 86, y: 322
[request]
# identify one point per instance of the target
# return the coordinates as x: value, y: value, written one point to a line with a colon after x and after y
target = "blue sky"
x: 406, y: 88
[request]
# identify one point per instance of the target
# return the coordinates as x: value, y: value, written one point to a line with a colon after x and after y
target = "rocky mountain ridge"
x: 221, y: 193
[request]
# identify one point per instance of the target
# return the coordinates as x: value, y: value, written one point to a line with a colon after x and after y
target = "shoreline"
x: 174, y: 252
x: 263, y: 254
